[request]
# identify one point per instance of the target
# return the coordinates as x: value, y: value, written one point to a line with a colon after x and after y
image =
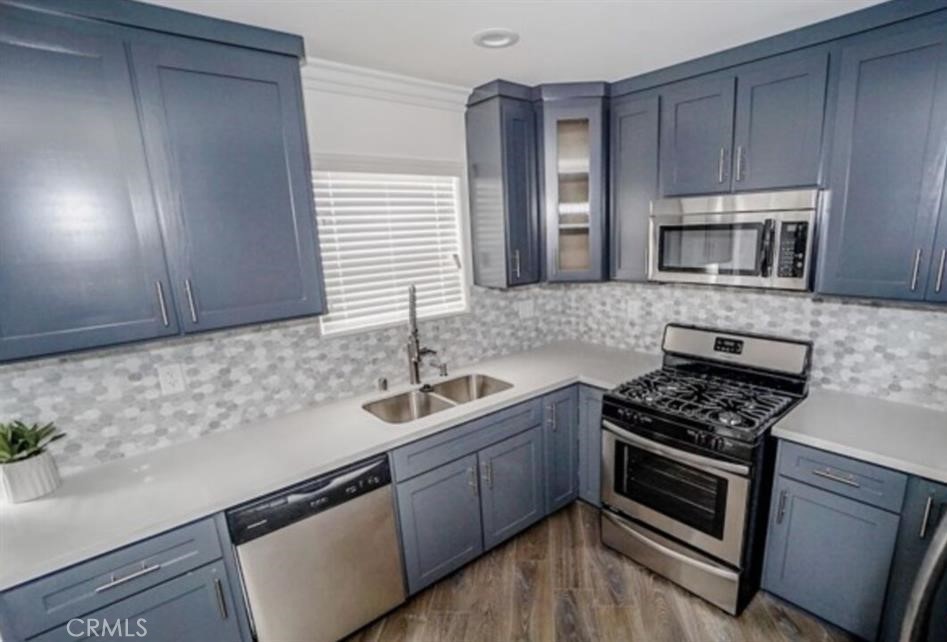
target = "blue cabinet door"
x: 560, y: 425
x: 81, y: 261
x: 937, y: 281
x: 504, y: 206
x: 195, y: 607
x: 634, y: 183
x: 830, y: 555
x: 779, y: 112
x: 925, y: 505
x: 590, y: 444
x: 225, y: 135
x: 440, y: 521
x: 886, y: 170
x: 697, y: 136
x: 512, y: 479
x: 574, y: 181
x: 520, y: 192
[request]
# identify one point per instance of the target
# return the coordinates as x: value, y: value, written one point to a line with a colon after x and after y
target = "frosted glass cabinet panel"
x: 574, y: 183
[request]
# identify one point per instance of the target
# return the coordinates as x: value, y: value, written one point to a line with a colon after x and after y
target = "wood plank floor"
x: 557, y: 582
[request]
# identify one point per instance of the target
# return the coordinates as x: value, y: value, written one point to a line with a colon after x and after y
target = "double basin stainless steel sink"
x: 416, y: 404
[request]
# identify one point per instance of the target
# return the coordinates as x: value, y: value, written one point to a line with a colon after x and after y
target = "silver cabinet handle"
x: 552, y: 417
x: 781, y: 509
x: 925, y: 521
x: 720, y: 162
x: 516, y: 264
x: 488, y: 474
x: 190, y: 300
x: 472, y: 481
x: 118, y: 581
x: 221, y: 603
x: 738, y: 174
x: 940, y: 271
x: 827, y: 474
x: 162, y: 304
x: 917, y: 269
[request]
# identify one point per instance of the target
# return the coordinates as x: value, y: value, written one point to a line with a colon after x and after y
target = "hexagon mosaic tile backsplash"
x: 110, y: 402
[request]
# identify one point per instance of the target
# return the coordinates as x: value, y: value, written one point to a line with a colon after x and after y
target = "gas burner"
x: 729, y: 418
x: 743, y: 409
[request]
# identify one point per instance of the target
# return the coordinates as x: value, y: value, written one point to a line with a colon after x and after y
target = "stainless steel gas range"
x: 687, y: 460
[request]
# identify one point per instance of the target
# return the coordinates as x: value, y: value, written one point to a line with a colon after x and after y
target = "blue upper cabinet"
x: 504, y: 211
x: 81, y: 259
x: 150, y: 184
x: 697, y: 136
x: 937, y: 280
x: 887, y: 168
x: 779, y: 113
x: 226, y: 140
x: 574, y: 183
x: 633, y: 183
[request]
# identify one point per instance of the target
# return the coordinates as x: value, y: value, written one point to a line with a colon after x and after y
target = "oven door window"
x: 683, y: 493
x: 724, y: 248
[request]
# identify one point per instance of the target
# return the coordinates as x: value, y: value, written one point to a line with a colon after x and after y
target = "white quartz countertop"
x: 121, y: 502
x: 908, y: 438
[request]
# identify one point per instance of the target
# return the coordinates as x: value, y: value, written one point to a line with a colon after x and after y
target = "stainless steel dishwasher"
x: 321, y: 559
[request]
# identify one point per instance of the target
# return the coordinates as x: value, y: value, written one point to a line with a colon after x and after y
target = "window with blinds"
x: 380, y: 233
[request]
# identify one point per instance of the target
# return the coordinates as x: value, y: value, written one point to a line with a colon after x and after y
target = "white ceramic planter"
x: 24, y: 480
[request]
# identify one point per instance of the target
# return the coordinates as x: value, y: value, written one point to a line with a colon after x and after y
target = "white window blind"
x: 380, y: 233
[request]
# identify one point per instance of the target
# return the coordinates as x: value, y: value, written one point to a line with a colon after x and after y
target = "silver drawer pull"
x: 940, y: 271
x: 916, y: 271
x: 118, y: 581
x: 162, y: 304
x: 927, y: 517
x: 190, y: 300
x: 827, y: 474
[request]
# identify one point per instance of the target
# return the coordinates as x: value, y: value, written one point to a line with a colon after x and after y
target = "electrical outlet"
x: 172, y: 380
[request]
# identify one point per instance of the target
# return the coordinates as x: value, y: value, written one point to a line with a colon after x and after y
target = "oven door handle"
x: 674, y: 453
x: 664, y: 550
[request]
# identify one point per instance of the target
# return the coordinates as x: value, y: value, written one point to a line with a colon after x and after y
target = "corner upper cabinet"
x: 633, y: 153
x: 574, y: 181
x: 81, y: 258
x: 779, y: 116
x: 697, y: 136
x: 501, y: 167
x: 226, y: 142
x: 887, y: 169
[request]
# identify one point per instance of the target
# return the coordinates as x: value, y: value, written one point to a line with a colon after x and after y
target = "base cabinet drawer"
x: 830, y: 555
x: 859, y: 480
x: 93, y: 585
x: 195, y: 607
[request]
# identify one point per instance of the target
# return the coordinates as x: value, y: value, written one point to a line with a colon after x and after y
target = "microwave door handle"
x: 767, y: 248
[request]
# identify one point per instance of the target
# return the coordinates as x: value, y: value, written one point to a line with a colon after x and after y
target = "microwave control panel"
x: 791, y: 254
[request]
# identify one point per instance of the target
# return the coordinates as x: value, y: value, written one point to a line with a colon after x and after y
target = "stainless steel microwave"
x: 761, y: 240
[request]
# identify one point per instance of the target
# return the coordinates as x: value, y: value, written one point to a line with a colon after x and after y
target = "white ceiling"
x: 560, y: 40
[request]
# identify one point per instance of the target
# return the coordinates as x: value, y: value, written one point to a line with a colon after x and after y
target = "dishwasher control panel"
x: 279, y: 509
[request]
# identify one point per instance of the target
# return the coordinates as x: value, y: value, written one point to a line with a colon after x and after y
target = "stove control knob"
x: 718, y: 443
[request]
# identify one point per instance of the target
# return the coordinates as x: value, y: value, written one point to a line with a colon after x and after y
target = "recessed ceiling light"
x: 496, y: 38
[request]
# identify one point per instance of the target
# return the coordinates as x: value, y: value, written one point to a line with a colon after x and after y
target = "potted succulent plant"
x: 27, y: 469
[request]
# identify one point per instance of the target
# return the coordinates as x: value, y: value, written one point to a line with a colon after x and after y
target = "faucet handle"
x: 427, y: 352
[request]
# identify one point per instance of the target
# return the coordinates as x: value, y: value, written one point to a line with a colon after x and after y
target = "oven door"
x: 697, y: 500
x: 726, y: 249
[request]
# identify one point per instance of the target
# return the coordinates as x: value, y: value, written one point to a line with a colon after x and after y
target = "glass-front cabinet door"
x: 574, y: 173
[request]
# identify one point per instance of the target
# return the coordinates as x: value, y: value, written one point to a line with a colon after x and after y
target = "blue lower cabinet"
x: 560, y: 425
x: 590, y: 444
x: 830, y: 555
x: 194, y: 607
x: 512, y: 485
x: 440, y: 521
x: 924, y: 507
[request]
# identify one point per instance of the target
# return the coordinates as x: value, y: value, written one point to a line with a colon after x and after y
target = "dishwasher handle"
x: 279, y: 509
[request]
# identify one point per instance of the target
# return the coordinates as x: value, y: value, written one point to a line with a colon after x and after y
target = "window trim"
x: 392, y: 165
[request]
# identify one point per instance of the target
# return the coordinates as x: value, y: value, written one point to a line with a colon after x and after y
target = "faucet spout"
x: 416, y: 353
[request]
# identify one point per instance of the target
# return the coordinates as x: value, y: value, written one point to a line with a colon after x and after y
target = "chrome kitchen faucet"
x: 416, y: 353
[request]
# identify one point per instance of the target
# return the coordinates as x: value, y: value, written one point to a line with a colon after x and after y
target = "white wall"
x: 354, y: 111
